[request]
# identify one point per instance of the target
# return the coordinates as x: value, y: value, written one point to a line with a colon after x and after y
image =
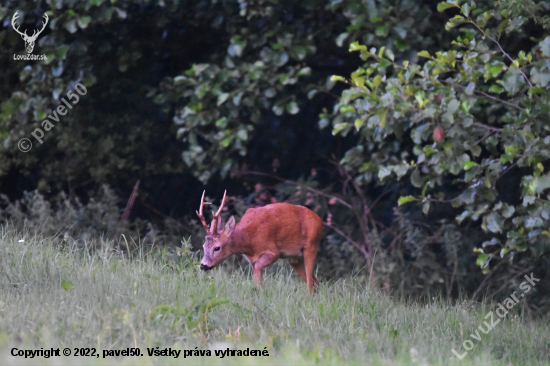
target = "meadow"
x: 57, y: 296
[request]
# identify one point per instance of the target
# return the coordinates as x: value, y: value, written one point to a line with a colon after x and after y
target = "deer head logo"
x: 29, y: 40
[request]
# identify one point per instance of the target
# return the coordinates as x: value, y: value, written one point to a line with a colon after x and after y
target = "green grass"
x: 53, y: 298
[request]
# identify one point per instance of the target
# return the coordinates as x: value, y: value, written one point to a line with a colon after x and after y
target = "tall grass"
x: 53, y: 296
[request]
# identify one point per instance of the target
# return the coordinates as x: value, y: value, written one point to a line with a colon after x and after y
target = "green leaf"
x: 359, y: 122
x: 482, y: 260
x: 453, y: 22
x: 242, y: 134
x: 376, y: 81
x: 179, y: 80
x: 337, y: 78
x: 541, y: 183
x: 84, y: 21
x: 384, y: 63
x: 466, y: 9
x: 71, y: 26
x: 298, y: 52
x: 445, y: 5
x: 502, y: 25
x: 382, y: 114
x: 355, y: 46
x: 222, y: 98
x: 339, y: 127
x: 341, y: 38
x: 416, y: 179
x: 462, y: 216
x: 536, y: 90
x: 465, y: 105
x: 425, y: 54
x: 496, y: 89
x: 453, y: 106
x: 494, y: 222
x: 404, y: 199
x: 503, y: 252
x: 347, y: 109
x: 222, y: 122
x: 469, y: 165
x: 383, y: 172
x: 226, y: 141
x: 61, y: 52
x: 513, y: 81
x: 292, y: 108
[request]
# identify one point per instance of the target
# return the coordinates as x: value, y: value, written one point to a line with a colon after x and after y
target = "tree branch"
x: 488, y: 128
x: 501, y: 50
x: 350, y: 240
x: 488, y: 96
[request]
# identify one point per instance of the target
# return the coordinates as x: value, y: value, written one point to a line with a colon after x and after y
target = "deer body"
x: 264, y: 235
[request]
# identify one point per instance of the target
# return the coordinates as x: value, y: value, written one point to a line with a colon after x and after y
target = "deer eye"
x: 216, y: 249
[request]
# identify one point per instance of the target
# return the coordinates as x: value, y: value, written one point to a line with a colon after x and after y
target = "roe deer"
x: 265, y: 234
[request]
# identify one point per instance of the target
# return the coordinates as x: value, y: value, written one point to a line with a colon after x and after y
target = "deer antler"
x: 43, y: 27
x: 13, y: 19
x: 217, y: 214
x: 200, y: 214
x: 25, y: 35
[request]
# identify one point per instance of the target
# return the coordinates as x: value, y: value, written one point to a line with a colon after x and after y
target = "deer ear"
x: 230, y: 226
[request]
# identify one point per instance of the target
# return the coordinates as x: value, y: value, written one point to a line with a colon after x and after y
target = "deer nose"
x: 204, y: 267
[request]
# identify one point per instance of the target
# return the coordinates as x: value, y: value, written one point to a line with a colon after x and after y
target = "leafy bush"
x: 467, y: 115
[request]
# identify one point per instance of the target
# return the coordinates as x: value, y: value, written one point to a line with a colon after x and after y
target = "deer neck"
x: 239, y: 243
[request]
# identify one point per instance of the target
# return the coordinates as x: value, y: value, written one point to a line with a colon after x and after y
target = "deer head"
x: 29, y: 40
x: 217, y: 242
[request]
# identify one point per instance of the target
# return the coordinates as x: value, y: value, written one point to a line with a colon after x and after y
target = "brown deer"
x: 265, y: 234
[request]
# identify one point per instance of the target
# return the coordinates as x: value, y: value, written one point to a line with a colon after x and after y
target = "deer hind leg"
x: 264, y: 261
x: 298, y: 265
x: 309, y: 263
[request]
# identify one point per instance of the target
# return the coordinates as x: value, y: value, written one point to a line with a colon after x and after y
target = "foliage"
x: 272, y: 63
x: 493, y: 109
x: 110, y: 136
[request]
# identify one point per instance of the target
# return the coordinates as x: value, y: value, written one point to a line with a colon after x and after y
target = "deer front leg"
x: 265, y: 260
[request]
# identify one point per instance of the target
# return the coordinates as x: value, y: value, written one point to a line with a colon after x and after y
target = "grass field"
x: 54, y: 298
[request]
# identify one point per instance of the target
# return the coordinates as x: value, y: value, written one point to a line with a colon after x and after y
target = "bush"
x: 453, y: 123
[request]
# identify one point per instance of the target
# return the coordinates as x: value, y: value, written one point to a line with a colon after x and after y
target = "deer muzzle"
x: 204, y: 267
